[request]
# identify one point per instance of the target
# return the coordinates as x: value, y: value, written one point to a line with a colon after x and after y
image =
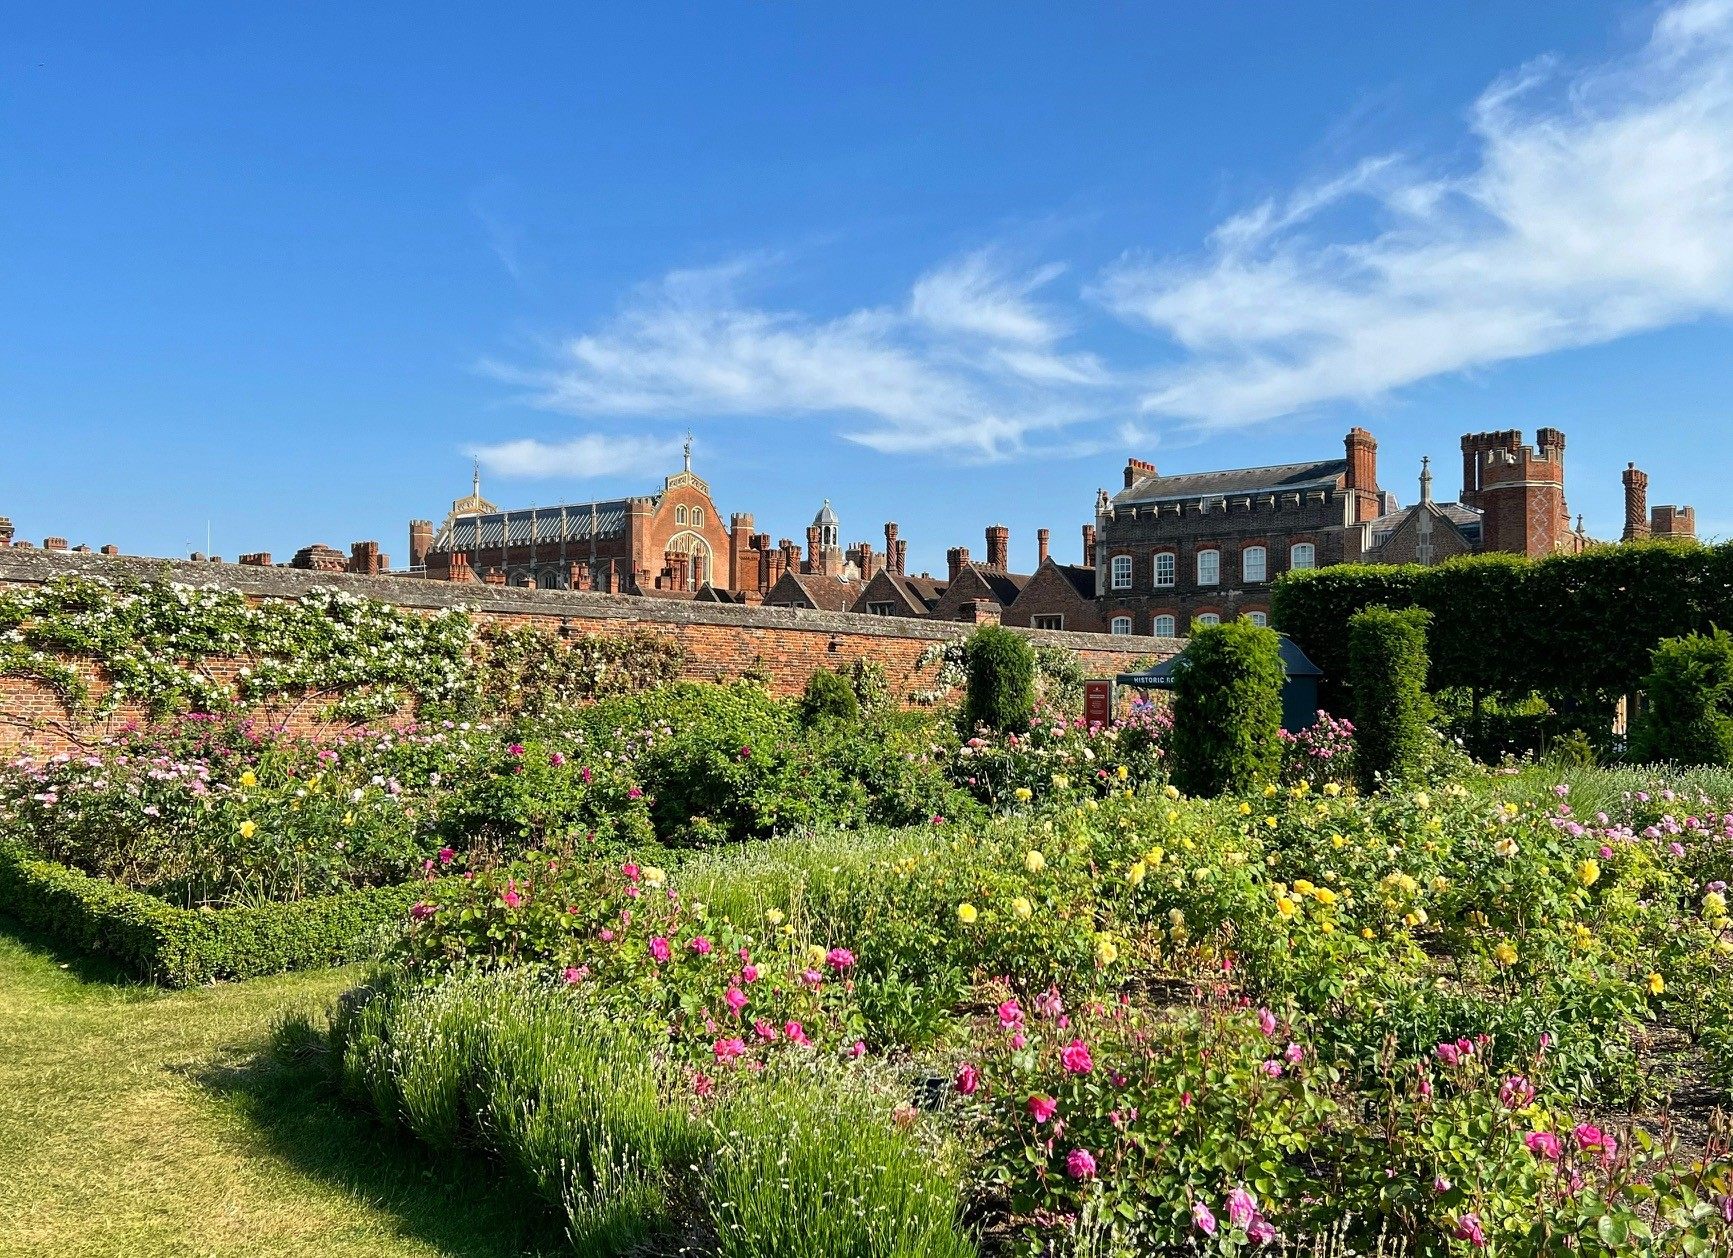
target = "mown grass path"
x: 138, y: 1121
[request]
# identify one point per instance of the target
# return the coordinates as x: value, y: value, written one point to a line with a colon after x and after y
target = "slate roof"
x: 917, y: 594
x: 826, y: 593
x: 1466, y: 519
x: 1082, y: 579
x: 1283, y: 478
x: 570, y: 523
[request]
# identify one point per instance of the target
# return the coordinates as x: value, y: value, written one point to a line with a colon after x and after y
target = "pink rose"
x: 660, y: 950
x: 1543, y: 1144
x: 968, y: 1079
x: 1080, y: 1164
x: 1075, y: 1058
x: 1041, y: 1108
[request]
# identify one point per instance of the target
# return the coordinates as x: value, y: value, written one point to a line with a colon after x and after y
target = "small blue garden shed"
x: 1299, y: 690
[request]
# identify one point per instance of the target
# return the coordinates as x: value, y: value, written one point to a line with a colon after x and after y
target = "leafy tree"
x: 1001, y: 669
x: 1687, y: 714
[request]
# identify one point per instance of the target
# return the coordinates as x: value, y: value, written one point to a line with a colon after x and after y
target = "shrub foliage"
x: 1687, y: 715
x: 1227, y: 709
x: 1001, y: 694
x: 1387, y: 668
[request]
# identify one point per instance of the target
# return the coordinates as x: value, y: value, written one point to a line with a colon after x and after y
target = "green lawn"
x: 137, y: 1121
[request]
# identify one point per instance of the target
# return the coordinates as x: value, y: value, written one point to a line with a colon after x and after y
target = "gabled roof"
x: 1082, y: 579
x: 1006, y: 586
x: 827, y: 593
x: 1283, y: 478
x: 570, y: 523
x: 1466, y: 521
x: 915, y: 594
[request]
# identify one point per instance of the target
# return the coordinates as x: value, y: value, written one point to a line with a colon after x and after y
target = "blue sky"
x: 286, y: 269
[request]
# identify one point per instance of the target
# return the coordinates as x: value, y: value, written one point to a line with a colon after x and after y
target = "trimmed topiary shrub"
x: 828, y: 697
x: 1687, y: 714
x: 1001, y: 667
x: 1227, y: 709
x: 1387, y: 665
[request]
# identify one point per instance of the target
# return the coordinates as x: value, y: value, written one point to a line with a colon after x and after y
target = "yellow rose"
x: 348, y: 818
x: 1171, y: 791
x: 1270, y: 822
x: 1022, y: 908
x: 1269, y: 792
x: 247, y: 829
x: 1332, y: 789
x: 249, y: 778
x: 1656, y: 984
x: 1422, y: 800
x: 1505, y: 953
x: 1123, y: 772
x: 1324, y: 895
x: 1506, y: 847
x: 1106, y: 951
x: 1023, y: 794
x: 1034, y: 862
x: 773, y: 916
x: 1135, y: 874
x: 1285, y: 907
x: 1588, y: 871
x: 1245, y: 810
x: 1304, y: 886
x: 966, y: 914
x: 1061, y: 781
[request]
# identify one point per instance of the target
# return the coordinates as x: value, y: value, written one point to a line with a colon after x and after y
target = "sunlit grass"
x: 135, y: 1121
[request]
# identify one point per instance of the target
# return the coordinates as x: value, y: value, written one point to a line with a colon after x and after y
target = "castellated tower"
x: 1518, y: 489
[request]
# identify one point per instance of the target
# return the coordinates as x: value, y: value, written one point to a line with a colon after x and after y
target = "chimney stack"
x: 420, y: 542
x: 956, y: 559
x: 1636, y: 504
x: 999, y: 547
x: 1042, y: 537
x: 1136, y: 470
x: 1088, y: 545
x: 1361, y: 481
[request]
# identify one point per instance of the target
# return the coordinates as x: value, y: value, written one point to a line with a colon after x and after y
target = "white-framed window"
x: 697, y: 517
x: 1165, y: 568
x: 1121, y: 571
x: 1121, y: 624
x: 1253, y: 561
x: 1209, y: 567
x: 1048, y: 622
x: 679, y: 515
x: 1259, y: 619
x: 1302, y: 555
x: 1163, y: 627
x: 1208, y: 618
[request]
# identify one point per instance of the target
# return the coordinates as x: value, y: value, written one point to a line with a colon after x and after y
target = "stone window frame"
x: 1260, y: 619
x: 1172, y: 630
x: 1294, y: 564
x: 1113, y: 626
x: 1047, y: 620
x: 1263, y: 553
x: 1114, y: 571
x: 1215, y: 556
x: 680, y: 515
x: 881, y: 609
x: 1172, y: 569
x: 697, y: 517
x: 1210, y: 619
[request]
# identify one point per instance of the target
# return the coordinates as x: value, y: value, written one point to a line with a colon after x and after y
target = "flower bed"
x: 1146, y: 1023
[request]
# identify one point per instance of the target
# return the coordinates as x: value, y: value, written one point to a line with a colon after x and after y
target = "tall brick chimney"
x: 459, y: 569
x: 6, y: 531
x: 893, y: 560
x: 1362, y: 478
x: 1636, y: 503
x: 1136, y: 470
x: 420, y: 542
x: 814, y: 560
x: 999, y: 547
x: 1088, y: 545
x: 1042, y: 537
x: 956, y: 559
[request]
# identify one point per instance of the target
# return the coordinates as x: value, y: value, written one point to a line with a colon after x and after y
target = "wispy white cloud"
x: 971, y: 363
x: 593, y: 454
x: 1598, y: 204
x: 1594, y: 203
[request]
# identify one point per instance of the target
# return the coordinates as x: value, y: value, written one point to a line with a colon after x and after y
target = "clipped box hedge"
x: 180, y: 947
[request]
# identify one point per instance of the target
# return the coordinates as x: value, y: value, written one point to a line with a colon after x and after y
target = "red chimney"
x: 998, y: 547
x: 1042, y: 536
x: 1088, y: 545
x: 957, y: 558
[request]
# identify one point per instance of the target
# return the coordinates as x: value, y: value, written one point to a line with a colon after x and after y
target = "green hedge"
x: 1227, y: 709
x: 182, y: 947
x: 1687, y: 715
x: 1579, y: 627
x: 1387, y: 666
x: 1001, y: 692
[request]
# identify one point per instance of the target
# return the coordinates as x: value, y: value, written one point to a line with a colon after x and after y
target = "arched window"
x: 550, y: 579
x: 1122, y: 574
x: 1302, y: 555
x: 1208, y: 618
x: 698, y: 571
x: 1253, y: 560
x: 1165, y: 566
x: 1209, y: 567
x: 1121, y: 624
x: 1164, y: 626
x: 697, y: 517
x: 679, y: 515
x: 1259, y: 619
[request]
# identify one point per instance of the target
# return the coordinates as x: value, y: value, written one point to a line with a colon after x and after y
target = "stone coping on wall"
x: 35, y: 567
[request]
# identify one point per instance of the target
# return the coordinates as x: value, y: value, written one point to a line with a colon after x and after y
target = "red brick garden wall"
x: 721, y: 640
